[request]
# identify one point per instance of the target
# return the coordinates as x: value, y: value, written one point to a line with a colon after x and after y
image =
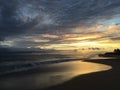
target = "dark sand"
x: 105, y: 80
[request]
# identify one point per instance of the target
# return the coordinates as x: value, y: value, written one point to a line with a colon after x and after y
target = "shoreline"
x: 94, y: 81
x: 104, y: 80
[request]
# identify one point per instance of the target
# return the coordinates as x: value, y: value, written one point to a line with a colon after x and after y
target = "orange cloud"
x: 94, y: 36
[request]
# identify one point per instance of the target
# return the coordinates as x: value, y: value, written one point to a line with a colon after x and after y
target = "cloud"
x: 10, y: 23
x: 53, y: 19
x: 115, y: 38
x: 18, y: 16
x: 96, y: 48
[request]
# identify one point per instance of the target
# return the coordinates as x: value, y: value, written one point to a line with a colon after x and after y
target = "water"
x: 14, y: 62
x: 37, y: 70
x: 51, y: 74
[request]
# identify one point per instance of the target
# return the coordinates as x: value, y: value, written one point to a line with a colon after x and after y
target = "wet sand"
x: 50, y: 75
x: 104, y: 80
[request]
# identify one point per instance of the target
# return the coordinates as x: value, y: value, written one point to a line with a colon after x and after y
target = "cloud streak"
x: 52, y: 20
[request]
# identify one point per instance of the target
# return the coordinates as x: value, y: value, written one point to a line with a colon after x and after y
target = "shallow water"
x: 51, y: 74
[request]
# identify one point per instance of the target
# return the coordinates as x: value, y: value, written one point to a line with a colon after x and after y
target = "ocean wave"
x: 29, y: 66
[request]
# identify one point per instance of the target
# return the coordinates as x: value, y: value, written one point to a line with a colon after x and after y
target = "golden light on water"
x: 74, y: 69
x: 80, y: 68
x: 55, y: 73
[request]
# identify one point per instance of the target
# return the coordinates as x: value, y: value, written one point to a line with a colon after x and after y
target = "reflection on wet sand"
x: 51, y: 75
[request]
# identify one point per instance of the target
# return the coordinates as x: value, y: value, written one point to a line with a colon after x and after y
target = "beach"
x: 104, y: 80
x: 50, y: 74
x: 94, y: 74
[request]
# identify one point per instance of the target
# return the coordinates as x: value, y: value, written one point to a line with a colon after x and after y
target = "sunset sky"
x: 60, y: 24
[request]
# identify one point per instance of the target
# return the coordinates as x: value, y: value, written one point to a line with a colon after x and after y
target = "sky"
x: 60, y: 24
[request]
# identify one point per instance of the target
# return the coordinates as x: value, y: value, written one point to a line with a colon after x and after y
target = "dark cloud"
x: 115, y: 38
x: 10, y: 23
x: 51, y: 16
x: 96, y: 48
x: 1, y: 39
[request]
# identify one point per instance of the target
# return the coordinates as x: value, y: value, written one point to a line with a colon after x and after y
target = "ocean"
x: 37, y: 70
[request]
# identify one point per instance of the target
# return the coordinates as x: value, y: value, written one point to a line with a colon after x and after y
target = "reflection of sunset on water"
x: 56, y: 73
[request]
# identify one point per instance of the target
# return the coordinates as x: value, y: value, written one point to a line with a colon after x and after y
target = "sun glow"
x: 80, y: 45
